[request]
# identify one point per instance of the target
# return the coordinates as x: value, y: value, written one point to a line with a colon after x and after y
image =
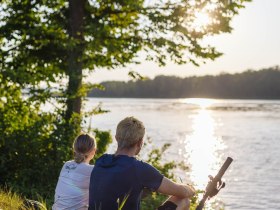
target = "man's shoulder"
x: 142, y: 165
x: 111, y: 160
x: 102, y: 158
x: 141, y: 162
x: 115, y: 158
x: 148, y: 175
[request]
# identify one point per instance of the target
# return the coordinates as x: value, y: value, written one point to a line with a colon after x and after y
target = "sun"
x: 201, y: 20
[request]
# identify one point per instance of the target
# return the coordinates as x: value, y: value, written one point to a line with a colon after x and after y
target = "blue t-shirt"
x: 114, y: 177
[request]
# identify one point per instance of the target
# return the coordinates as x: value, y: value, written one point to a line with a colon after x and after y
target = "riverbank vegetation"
x: 262, y: 84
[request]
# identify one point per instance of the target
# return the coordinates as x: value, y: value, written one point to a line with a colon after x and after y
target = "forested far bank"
x: 262, y: 84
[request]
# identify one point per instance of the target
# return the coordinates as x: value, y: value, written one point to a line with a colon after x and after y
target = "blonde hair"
x: 82, y: 146
x: 129, y: 131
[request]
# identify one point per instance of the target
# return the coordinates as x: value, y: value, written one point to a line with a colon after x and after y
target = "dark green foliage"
x: 103, y: 139
x: 35, y: 144
x: 152, y: 201
x: 28, y: 156
x: 262, y: 84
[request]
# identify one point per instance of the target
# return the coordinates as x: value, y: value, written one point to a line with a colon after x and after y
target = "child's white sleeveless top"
x: 72, y: 189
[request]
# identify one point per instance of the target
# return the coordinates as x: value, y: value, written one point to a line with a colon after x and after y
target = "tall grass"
x: 9, y: 200
x: 122, y: 202
x: 12, y: 201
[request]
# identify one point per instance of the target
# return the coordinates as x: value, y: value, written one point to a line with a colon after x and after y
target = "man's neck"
x: 129, y: 152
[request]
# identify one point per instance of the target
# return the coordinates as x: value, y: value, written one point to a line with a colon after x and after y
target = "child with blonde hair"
x: 72, y: 190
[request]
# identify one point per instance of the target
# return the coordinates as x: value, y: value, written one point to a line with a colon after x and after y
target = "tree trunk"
x: 75, y: 67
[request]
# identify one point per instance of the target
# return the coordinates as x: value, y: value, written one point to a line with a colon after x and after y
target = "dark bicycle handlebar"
x: 215, y: 184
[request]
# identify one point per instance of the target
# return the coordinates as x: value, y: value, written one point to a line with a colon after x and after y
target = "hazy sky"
x: 253, y: 44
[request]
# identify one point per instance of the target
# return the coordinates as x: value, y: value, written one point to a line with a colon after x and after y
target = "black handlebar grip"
x: 213, y: 184
x: 224, y: 168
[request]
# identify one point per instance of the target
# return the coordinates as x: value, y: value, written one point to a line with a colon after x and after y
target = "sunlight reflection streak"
x: 202, y: 146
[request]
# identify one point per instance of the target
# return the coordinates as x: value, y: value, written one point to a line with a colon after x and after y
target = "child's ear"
x: 93, y: 151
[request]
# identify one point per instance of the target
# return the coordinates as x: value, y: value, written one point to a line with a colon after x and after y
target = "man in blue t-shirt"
x: 121, y: 177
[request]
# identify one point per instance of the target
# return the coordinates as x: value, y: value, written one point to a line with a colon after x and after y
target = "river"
x: 202, y: 133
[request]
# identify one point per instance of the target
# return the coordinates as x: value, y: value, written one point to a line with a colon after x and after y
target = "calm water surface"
x: 203, y: 132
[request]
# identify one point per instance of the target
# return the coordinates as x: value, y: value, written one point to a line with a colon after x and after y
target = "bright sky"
x: 253, y: 44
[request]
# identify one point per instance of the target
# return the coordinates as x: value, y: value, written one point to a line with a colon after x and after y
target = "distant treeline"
x: 262, y: 84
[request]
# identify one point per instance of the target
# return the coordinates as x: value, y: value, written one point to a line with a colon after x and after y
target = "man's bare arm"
x: 169, y: 187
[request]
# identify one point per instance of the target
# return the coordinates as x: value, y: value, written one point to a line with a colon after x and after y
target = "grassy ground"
x: 12, y: 201
x: 9, y: 200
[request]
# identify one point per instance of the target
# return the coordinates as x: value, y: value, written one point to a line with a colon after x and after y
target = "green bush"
x: 35, y: 144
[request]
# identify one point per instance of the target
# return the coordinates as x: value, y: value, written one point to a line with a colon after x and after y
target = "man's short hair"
x: 129, y: 131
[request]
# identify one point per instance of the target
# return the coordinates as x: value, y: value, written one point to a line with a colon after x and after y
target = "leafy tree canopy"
x: 37, y: 36
x: 43, y: 40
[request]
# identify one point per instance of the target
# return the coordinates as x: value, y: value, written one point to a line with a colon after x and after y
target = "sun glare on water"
x: 202, y: 146
x: 202, y: 103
